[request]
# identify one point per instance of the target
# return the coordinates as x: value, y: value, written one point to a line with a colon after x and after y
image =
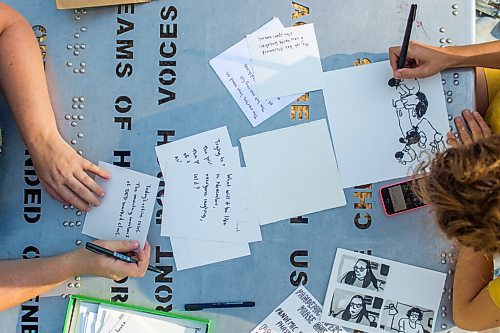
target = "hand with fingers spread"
x: 469, y: 130
x: 64, y: 173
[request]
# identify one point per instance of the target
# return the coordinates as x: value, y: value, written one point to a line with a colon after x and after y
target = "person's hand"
x: 89, y: 263
x: 63, y: 173
x: 421, y: 61
x: 477, y: 129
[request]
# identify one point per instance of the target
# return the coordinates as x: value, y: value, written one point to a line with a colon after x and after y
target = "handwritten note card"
x: 125, y: 212
x: 300, y: 312
x: 211, y: 204
x: 234, y: 68
x: 293, y: 171
x: 286, y: 62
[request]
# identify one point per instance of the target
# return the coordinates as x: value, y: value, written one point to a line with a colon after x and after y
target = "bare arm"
x: 21, y: 280
x: 22, y: 79
x: 473, y: 308
x: 425, y: 60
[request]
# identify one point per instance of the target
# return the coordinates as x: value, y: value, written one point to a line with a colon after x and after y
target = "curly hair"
x: 463, y: 188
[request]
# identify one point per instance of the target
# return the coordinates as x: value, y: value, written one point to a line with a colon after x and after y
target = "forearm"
x: 22, y: 78
x: 21, y: 280
x: 479, y: 55
x: 473, y: 308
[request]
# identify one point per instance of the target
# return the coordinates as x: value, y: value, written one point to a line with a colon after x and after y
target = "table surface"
x: 293, y: 252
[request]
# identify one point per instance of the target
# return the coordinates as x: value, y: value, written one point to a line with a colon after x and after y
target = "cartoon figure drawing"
x: 355, y: 312
x: 411, y: 324
x: 361, y: 276
x: 416, y: 129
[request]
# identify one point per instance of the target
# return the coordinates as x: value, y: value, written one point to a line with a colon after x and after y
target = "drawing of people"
x: 355, y: 312
x: 411, y: 324
x: 361, y: 276
x: 415, y: 128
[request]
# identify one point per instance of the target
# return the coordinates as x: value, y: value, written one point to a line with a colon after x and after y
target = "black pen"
x: 117, y: 255
x: 406, y: 39
x: 201, y: 306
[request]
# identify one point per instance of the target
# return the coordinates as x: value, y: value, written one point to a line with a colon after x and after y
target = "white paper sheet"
x: 374, y: 294
x: 210, y: 203
x: 190, y: 253
x: 234, y: 69
x: 300, y: 312
x: 286, y: 61
x: 293, y: 171
x: 125, y: 211
x: 368, y: 118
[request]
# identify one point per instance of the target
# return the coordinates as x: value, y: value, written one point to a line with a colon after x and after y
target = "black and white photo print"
x: 355, y: 307
x: 362, y: 273
x: 405, y: 318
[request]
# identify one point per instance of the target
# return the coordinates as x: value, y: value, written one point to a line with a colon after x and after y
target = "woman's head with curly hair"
x: 463, y: 188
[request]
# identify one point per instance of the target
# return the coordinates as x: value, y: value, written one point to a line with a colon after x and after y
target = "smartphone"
x: 399, y: 198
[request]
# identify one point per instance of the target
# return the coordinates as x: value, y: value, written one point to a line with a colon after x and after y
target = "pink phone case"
x: 383, y: 203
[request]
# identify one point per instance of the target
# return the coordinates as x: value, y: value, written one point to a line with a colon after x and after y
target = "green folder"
x: 74, y: 310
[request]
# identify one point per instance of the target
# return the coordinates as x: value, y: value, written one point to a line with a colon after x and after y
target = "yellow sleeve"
x: 494, y: 289
x: 493, y: 113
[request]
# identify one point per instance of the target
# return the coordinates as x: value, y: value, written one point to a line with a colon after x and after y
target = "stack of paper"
x: 96, y: 318
x: 208, y: 211
x: 260, y: 72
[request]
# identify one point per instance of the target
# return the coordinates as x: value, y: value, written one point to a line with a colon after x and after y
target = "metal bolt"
x: 79, y: 152
x: 81, y: 106
x: 63, y: 296
x: 451, y: 128
x: 443, y: 314
x: 76, y: 52
x: 443, y: 254
x: 442, y: 30
x: 456, y: 82
x: 77, y: 285
x: 65, y: 206
x: 450, y: 117
x: 78, y: 213
x: 450, y: 272
x: 449, y: 99
x: 65, y: 223
x: 72, y: 224
x: 77, y: 11
x: 69, y: 46
x: 443, y: 81
x: 80, y: 135
x: 455, y: 13
x: 73, y: 142
x: 67, y: 117
x: 456, y: 135
x: 74, y: 123
x: 82, y: 99
x: 83, y: 46
x: 83, y: 64
x: 77, y: 278
x: 70, y: 285
x: 80, y: 117
x: 75, y: 99
x: 443, y: 261
x: 78, y: 223
x: 83, y: 29
x: 450, y: 296
x: 82, y: 70
x: 448, y: 40
x: 77, y: 35
x: 442, y: 40
x: 69, y: 63
x: 450, y: 291
x: 449, y: 93
x: 75, y: 70
x: 77, y: 46
x: 443, y: 326
x: 455, y: 6
x: 443, y: 308
x: 75, y: 117
x: 77, y: 17
x: 78, y: 242
x: 455, y: 75
x: 84, y: 11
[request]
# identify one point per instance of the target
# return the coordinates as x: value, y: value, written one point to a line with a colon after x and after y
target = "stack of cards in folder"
x: 87, y: 315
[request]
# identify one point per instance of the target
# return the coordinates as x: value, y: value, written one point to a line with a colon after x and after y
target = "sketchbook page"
x: 209, y: 203
x: 234, y: 69
x: 372, y: 122
x: 287, y: 161
x: 125, y: 211
x: 190, y: 253
x: 300, y: 312
x: 380, y: 295
x: 286, y: 61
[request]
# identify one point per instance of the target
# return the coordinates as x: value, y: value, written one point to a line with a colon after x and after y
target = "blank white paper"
x: 369, y: 121
x: 286, y: 61
x: 293, y: 171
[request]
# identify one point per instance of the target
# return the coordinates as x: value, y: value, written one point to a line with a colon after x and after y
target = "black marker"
x: 406, y: 42
x: 201, y: 306
x: 117, y: 255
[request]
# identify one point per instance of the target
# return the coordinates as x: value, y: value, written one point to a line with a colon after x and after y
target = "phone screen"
x: 399, y: 198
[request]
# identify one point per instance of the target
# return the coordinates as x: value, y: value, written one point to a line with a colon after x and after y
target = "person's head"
x: 463, y: 187
x: 414, y: 314
x: 356, y: 305
x: 361, y: 268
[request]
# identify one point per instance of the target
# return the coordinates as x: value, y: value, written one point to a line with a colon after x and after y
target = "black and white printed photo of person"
x: 355, y: 308
x: 405, y: 318
x: 363, y: 273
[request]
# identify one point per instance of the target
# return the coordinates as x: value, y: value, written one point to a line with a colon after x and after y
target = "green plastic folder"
x: 73, y: 312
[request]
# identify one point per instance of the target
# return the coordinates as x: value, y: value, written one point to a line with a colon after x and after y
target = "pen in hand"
x: 117, y: 255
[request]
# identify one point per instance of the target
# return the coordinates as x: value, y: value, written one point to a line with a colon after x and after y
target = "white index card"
x: 125, y: 211
x: 293, y: 171
x: 286, y: 62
